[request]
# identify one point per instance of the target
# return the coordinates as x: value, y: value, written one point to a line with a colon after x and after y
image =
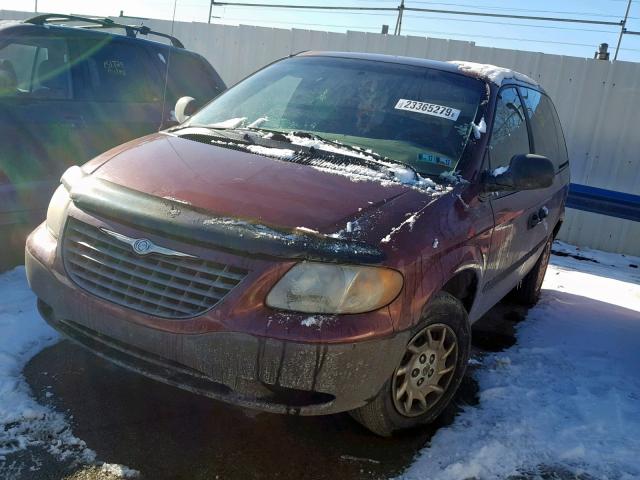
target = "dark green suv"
x: 69, y: 90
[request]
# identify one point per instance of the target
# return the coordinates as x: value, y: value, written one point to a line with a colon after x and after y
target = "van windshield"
x: 419, y: 116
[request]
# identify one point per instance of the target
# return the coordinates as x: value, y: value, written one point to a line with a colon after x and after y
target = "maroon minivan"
x: 317, y: 239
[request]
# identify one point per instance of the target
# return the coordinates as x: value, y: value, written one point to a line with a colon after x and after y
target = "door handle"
x: 537, y: 217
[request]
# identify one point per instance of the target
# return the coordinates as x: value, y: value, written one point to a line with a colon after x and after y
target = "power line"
x: 533, y: 10
x: 374, y: 29
x: 400, y: 9
x: 515, y: 24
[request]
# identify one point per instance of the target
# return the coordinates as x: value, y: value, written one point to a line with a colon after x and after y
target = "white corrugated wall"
x: 598, y: 102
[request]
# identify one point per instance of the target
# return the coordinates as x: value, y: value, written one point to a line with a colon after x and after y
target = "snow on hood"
x: 490, y: 72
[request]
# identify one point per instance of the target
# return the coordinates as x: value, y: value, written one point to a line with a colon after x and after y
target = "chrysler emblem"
x: 144, y: 246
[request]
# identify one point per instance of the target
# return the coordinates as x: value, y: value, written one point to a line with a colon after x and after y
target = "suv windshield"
x: 415, y: 115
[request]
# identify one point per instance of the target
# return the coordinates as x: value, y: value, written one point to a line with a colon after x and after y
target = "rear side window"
x: 189, y: 76
x: 115, y: 72
x: 548, y: 139
x: 509, y: 136
x: 35, y: 67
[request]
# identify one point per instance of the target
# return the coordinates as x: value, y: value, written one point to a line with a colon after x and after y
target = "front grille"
x: 162, y: 285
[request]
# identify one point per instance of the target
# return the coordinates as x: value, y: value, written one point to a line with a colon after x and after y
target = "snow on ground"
x: 566, y: 397
x: 25, y: 423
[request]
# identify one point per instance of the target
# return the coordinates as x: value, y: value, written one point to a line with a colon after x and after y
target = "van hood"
x: 238, y: 184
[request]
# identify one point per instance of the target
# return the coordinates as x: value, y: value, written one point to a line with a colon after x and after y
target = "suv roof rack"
x: 131, y: 30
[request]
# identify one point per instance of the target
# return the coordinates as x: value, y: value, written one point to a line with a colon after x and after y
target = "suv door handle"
x: 537, y: 217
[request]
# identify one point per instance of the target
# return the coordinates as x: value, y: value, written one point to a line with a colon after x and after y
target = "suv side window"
x: 114, y: 71
x: 510, y: 136
x: 35, y: 67
x: 548, y: 139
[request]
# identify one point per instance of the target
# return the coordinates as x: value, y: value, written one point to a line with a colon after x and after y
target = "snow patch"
x: 257, y: 122
x: 119, y: 471
x: 316, y: 320
x: 491, y: 72
x: 281, y: 153
x: 500, y: 171
x: 567, y: 395
x: 479, y: 129
x: 453, y: 177
x: 410, y: 220
x: 307, y: 230
x: 231, y: 123
x: 310, y: 322
x: 24, y: 422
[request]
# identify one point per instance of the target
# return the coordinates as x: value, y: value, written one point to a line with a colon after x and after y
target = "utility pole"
x: 622, y: 29
x: 210, y: 8
x: 36, y: 10
x: 398, y: 29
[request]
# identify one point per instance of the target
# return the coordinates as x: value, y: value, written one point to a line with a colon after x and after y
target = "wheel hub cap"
x: 426, y: 370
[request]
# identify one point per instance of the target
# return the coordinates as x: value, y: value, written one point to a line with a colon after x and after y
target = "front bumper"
x: 264, y: 373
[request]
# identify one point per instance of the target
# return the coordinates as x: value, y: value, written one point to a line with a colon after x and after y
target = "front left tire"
x: 429, y: 373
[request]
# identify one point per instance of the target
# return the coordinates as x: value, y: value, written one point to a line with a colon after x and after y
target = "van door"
x: 548, y: 140
x: 516, y: 240
x: 39, y: 126
x: 116, y: 90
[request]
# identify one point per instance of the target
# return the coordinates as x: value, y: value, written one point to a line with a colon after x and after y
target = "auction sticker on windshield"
x: 428, y: 109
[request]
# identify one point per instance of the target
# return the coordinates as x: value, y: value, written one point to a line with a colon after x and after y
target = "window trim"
x: 495, y: 111
x: 20, y: 40
x: 558, y: 127
x: 532, y: 143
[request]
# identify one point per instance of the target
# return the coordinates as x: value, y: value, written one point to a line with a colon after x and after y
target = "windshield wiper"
x: 237, y: 135
x: 381, y: 159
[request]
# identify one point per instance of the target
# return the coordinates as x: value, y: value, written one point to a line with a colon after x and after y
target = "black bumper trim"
x: 177, y: 375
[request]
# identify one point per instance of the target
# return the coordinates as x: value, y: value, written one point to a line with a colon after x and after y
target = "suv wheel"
x: 528, y: 291
x: 429, y: 373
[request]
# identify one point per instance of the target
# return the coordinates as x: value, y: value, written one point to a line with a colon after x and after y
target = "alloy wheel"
x: 426, y: 370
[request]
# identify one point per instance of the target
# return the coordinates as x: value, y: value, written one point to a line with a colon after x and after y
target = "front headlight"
x: 57, y: 211
x: 327, y: 288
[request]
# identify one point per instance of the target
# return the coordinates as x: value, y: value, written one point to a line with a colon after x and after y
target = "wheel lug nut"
x: 431, y: 372
x: 415, y: 372
x: 432, y: 358
x: 420, y: 381
x: 423, y: 358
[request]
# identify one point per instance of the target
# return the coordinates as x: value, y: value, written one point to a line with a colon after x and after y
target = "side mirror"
x: 185, y: 106
x: 525, y: 172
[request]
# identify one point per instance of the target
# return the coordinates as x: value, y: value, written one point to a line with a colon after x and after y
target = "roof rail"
x: 131, y: 30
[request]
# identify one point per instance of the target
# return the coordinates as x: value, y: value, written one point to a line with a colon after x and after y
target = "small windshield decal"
x: 428, y: 109
x: 435, y: 159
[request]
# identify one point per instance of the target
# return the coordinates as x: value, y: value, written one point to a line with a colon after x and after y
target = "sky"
x: 575, y: 39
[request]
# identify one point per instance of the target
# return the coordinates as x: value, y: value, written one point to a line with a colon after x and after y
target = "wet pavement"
x: 167, y: 433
